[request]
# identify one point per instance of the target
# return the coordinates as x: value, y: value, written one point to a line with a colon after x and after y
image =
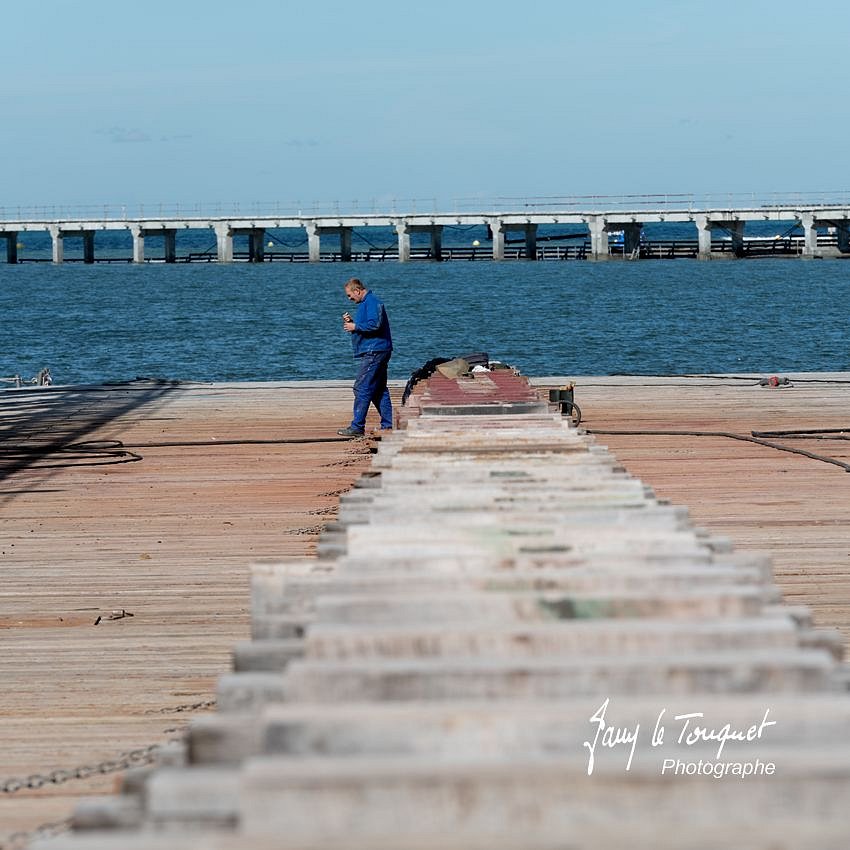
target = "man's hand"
x: 348, y: 326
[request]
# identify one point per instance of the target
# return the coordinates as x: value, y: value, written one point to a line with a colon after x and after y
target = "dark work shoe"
x: 349, y: 432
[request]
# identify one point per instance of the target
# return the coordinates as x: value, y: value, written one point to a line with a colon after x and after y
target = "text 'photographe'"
x: 690, y: 730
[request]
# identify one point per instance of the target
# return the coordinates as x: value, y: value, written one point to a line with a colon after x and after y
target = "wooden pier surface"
x: 792, y: 507
x: 169, y: 538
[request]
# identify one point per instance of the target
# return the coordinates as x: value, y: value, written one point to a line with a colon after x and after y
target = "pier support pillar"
x: 88, y: 246
x: 434, y: 231
x: 57, y: 238
x: 599, y: 249
x: 138, y: 243
x: 170, y: 238
x: 11, y: 246
x: 530, y: 241
x: 497, y: 229
x: 842, y: 232
x: 256, y: 245
x: 704, y: 228
x: 403, y: 231
x: 810, y: 235
x: 736, y: 231
x: 224, y: 242
x: 314, y: 242
x: 631, y: 241
x: 345, y: 244
x: 437, y: 242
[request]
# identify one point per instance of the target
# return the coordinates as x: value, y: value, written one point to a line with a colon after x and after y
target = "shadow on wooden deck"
x: 46, y: 428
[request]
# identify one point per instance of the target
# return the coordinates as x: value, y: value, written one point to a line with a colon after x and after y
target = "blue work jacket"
x: 371, y: 327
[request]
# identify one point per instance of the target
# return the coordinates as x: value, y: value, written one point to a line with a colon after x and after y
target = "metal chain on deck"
x: 124, y: 761
x: 21, y: 840
x: 178, y: 709
x: 131, y: 758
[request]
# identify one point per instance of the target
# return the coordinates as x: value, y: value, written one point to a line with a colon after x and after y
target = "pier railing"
x: 414, y: 206
x: 658, y: 201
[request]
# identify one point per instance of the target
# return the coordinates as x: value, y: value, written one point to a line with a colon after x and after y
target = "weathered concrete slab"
x: 394, y: 541
x: 249, y: 692
x: 596, y: 511
x: 109, y: 813
x: 767, y: 671
x: 193, y: 797
x: 225, y: 739
x: 558, y: 557
x: 590, y: 579
x: 528, y: 640
x: 743, y: 834
x: 500, y: 607
x: 268, y: 580
x: 324, y: 800
x: 289, y: 626
x: 519, y: 473
x: 296, y: 598
x: 494, y: 730
x: 266, y: 655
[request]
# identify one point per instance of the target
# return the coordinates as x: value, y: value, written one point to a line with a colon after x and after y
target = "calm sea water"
x: 282, y: 321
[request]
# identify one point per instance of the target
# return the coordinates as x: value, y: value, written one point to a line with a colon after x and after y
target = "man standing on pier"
x: 373, y: 347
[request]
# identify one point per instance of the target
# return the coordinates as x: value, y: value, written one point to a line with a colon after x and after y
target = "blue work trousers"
x: 370, y: 387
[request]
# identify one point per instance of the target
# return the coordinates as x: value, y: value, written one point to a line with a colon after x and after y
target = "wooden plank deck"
x: 169, y: 539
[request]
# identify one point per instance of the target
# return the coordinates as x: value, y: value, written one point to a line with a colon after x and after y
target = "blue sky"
x: 188, y: 101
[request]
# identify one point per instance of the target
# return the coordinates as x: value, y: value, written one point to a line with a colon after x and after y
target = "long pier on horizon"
x: 616, y: 233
